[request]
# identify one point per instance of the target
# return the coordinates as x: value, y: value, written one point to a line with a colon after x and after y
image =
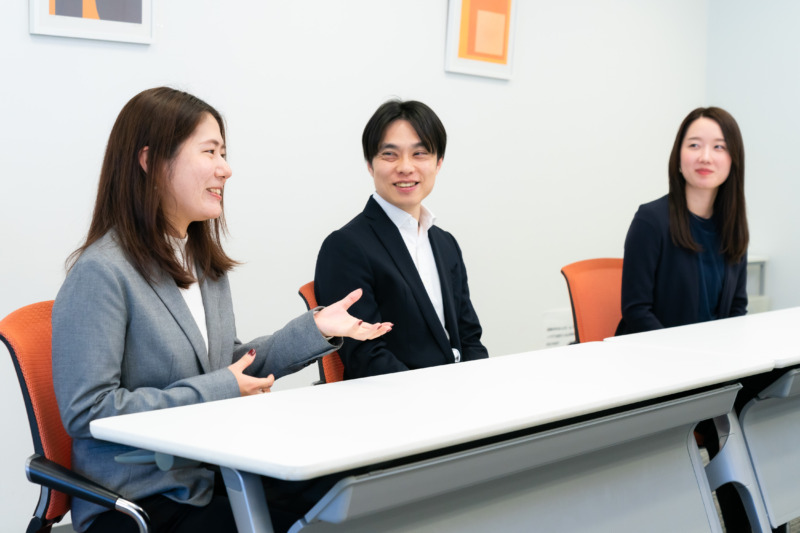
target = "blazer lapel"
x: 170, y: 295
x: 210, y: 292
x: 446, y: 281
x: 390, y: 237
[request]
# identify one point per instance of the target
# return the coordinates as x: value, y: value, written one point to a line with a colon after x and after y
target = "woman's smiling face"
x: 196, y: 177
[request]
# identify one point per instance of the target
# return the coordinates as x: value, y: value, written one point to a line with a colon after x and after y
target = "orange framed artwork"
x: 480, y: 37
x: 108, y: 20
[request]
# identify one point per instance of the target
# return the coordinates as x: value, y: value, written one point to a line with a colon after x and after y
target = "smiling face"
x: 404, y: 171
x: 196, y: 177
x: 705, y: 160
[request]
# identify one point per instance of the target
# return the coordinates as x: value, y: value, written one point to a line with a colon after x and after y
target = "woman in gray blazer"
x: 144, y: 319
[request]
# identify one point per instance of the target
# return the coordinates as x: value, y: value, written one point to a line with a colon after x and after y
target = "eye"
x: 214, y: 152
x: 420, y: 153
x: 388, y: 155
x: 692, y: 145
x: 721, y: 147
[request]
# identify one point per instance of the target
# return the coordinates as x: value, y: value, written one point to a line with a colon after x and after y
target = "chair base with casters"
x: 27, y: 333
x: 330, y: 366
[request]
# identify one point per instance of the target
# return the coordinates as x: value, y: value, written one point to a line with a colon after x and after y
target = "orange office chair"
x: 595, y: 287
x: 330, y: 366
x: 27, y: 333
x: 595, y: 292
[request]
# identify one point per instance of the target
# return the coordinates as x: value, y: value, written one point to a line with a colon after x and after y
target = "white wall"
x: 540, y: 171
x: 753, y: 58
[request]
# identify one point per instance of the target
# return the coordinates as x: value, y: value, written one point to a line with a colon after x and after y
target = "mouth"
x: 217, y: 191
x: 406, y: 184
x: 704, y: 171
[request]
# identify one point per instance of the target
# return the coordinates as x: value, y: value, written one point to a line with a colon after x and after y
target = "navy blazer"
x: 369, y: 253
x: 660, y: 284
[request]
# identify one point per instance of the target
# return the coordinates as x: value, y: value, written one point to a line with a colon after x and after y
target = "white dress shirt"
x: 415, y: 237
x: 192, y: 294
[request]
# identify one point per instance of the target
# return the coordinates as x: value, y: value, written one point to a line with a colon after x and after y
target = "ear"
x: 439, y: 164
x: 370, y: 169
x: 143, y: 157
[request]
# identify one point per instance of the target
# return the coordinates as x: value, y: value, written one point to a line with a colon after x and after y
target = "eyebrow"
x: 395, y: 147
x: 215, y: 142
x: 719, y: 139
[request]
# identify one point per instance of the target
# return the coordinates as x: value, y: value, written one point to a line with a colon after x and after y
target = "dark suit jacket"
x: 369, y: 253
x: 660, y: 287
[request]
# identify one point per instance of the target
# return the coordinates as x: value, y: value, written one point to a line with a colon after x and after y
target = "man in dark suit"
x: 412, y: 272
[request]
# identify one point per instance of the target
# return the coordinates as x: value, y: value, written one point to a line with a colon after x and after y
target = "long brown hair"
x: 130, y: 199
x: 729, y: 205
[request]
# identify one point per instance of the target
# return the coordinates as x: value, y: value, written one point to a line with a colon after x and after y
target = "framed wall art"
x: 108, y: 20
x: 480, y: 37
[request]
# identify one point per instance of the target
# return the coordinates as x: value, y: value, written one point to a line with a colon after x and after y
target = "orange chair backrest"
x: 332, y: 367
x: 595, y: 288
x: 27, y: 332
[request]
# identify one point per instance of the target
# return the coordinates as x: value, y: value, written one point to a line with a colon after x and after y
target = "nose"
x: 404, y: 165
x: 705, y: 153
x: 224, y: 169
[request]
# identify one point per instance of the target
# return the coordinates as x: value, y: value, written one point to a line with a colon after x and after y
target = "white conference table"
x: 769, y: 336
x: 761, y: 453
x: 586, y: 449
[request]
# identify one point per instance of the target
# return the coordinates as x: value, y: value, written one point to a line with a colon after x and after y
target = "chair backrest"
x: 330, y: 366
x: 595, y: 287
x: 27, y: 332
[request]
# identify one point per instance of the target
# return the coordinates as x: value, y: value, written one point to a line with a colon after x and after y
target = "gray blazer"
x: 124, y: 345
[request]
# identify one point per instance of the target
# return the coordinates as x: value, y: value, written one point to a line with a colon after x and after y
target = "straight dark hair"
x: 729, y: 205
x: 130, y: 200
x: 421, y: 117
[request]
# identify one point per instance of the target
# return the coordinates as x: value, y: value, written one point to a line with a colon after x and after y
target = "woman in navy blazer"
x: 686, y: 253
x: 144, y: 319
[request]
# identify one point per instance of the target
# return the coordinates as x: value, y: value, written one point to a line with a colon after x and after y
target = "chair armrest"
x: 43, y: 471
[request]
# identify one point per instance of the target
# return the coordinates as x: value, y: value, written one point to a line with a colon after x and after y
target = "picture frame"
x: 480, y: 37
x: 105, y: 20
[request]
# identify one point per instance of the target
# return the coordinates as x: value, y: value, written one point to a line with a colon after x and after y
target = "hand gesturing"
x: 335, y: 321
x: 248, y: 384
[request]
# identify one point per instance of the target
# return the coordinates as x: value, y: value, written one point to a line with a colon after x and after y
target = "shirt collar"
x: 401, y: 219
